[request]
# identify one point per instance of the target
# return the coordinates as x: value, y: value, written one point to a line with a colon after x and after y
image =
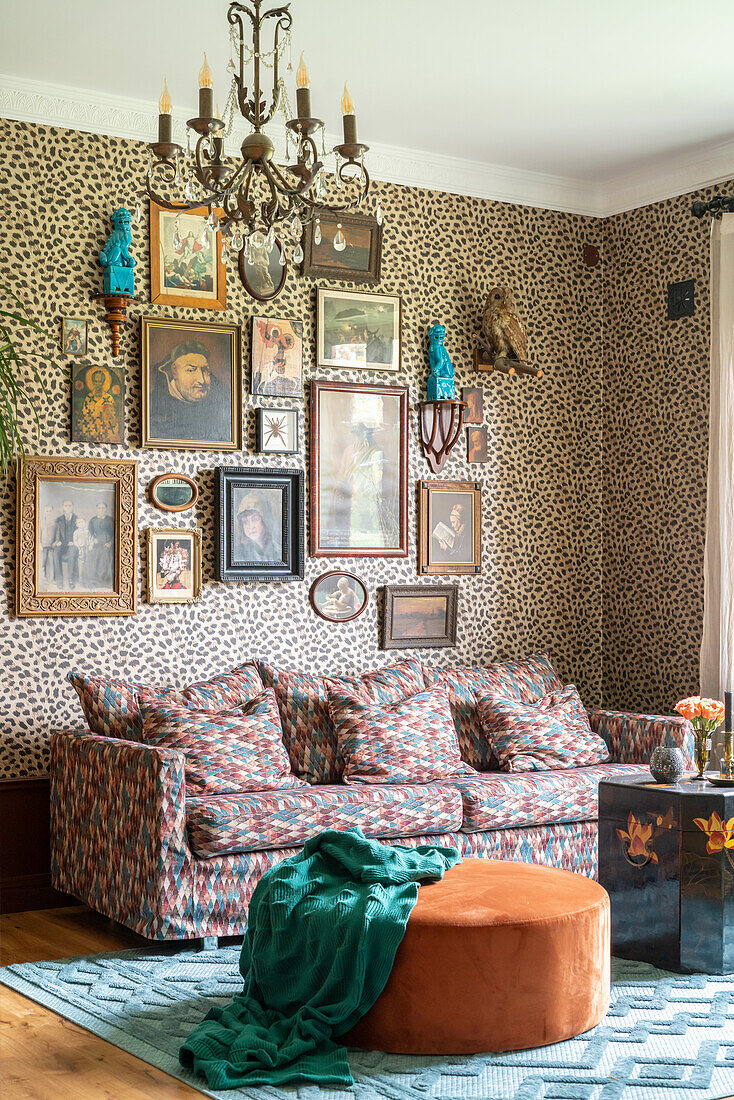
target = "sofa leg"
x: 209, y: 943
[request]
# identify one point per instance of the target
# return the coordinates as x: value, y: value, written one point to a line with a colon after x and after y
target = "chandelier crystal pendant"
x: 257, y: 204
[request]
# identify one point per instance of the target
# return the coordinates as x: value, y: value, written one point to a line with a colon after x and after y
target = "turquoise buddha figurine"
x: 115, y: 258
x: 441, y: 386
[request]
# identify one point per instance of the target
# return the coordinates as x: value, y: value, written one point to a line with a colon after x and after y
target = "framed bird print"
x: 186, y: 264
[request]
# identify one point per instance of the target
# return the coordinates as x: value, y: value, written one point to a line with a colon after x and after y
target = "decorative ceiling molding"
x: 97, y: 112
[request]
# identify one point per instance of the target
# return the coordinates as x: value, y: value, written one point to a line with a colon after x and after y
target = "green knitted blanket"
x: 323, y: 928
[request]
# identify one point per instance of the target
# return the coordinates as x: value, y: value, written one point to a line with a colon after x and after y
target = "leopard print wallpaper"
x: 656, y: 387
x: 542, y: 509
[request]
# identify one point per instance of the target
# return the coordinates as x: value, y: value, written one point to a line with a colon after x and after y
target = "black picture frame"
x: 283, y: 525
x: 395, y: 638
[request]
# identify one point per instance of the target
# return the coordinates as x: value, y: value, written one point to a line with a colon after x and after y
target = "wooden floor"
x: 44, y: 1057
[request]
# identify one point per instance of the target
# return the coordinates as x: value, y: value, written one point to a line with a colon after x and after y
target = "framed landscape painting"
x: 449, y: 527
x: 259, y: 524
x: 419, y: 616
x: 186, y: 267
x: 359, y: 470
x: 345, y: 246
x: 358, y: 330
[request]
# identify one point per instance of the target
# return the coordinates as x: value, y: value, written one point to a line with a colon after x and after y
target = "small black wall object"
x: 681, y: 300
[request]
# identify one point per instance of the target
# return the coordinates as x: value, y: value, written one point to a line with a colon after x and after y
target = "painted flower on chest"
x: 636, y: 842
x: 720, y: 834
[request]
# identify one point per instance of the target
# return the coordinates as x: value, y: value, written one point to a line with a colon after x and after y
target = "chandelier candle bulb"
x: 349, y: 118
x: 206, y: 91
x: 217, y: 142
x: 164, y: 116
x: 303, y: 90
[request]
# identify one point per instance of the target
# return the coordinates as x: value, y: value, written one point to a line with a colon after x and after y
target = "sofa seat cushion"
x: 497, y: 800
x: 222, y: 824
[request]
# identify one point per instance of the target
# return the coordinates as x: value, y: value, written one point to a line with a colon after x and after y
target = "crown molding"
x: 136, y: 119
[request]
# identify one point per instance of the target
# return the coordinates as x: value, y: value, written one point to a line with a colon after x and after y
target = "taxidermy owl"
x: 503, y: 333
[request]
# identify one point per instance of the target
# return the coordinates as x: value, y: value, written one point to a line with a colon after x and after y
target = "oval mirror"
x: 173, y: 492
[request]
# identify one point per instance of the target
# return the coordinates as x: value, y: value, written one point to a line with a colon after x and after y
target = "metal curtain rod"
x: 716, y: 207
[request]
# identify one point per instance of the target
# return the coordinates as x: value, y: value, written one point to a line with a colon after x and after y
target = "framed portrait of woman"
x: 449, y: 527
x: 259, y: 524
x: 359, y: 470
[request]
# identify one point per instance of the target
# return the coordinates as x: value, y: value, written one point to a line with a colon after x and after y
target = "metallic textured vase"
x: 667, y: 765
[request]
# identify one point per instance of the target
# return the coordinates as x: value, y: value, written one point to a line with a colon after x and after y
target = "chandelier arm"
x: 272, y: 206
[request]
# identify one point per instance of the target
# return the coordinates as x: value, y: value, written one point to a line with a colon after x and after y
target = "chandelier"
x: 260, y: 207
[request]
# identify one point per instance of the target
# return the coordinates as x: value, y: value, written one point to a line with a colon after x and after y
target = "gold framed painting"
x: 174, y: 564
x: 449, y: 527
x: 191, y: 385
x: 76, y: 536
x: 186, y: 266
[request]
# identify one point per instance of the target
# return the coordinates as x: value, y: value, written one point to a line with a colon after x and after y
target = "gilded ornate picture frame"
x: 174, y: 564
x: 76, y: 536
x: 186, y: 267
x: 449, y: 527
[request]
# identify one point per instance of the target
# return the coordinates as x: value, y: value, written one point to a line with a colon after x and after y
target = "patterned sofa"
x: 128, y: 841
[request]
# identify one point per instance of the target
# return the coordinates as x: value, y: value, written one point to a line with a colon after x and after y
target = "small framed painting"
x: 192, y: 385
x: 73, y: 336
x: 174, y: 564
x: 277, y: 357
x: 343, y: 246
x: 474, y: 398
x: 186, y: 267
x: 259, y: 524
x: 338, y: 597
x: 173, y: 492
x: 277, y: 431
x: 263, y: 273
x: 419, y: 616
x: 77, y: 525
x: 358, y: 330
x: 97, y: 404
x: 476, y: 444
x: 449, y: 527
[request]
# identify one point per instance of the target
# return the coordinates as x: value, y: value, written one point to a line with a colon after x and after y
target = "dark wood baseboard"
x: 25, y: 858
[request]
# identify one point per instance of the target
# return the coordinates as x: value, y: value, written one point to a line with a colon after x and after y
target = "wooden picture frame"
x: 402, y: 626
x: 204, y: 357
x: 167, y: 583
x: 361, y: 257
x: 358, y: 330
x: 76, y: 536
x: 275, y: 426
x: 358, y: 432
x: 276, y: 357
x: 454, y: 509
x: 326, y: 608
x: 260, y: 524
x: 170, y: 264
x: 179, y: 484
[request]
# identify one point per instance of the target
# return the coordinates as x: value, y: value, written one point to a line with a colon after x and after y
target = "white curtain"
x: 717, y: 647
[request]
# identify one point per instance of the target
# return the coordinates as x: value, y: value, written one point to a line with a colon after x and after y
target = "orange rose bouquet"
x: 705, y: 715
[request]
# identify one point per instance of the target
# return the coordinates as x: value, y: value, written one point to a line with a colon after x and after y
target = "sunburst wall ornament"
x: 261, y: 207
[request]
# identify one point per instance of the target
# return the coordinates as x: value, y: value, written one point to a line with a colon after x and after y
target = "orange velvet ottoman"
x: 496, y: 956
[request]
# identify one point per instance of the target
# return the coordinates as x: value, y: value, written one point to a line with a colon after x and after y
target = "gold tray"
x: 720, y: 780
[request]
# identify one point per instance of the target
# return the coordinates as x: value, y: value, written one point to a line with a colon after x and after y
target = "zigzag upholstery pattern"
x: 527, y: 679
x: 572, y: 847
x: 632, y: 737
x: 498, y: 800
x: 238, y: 749
x: 111, y: 707
x: 553, y: 733
x: 308, y: 733
x: 231, y: 689
x: 254, y: 822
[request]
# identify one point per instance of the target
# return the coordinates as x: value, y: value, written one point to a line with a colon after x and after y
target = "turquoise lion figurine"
x: 115, y: 258
x: 441, y: 385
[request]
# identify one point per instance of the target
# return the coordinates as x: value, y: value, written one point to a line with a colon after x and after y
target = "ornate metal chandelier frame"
x: 294, y: 193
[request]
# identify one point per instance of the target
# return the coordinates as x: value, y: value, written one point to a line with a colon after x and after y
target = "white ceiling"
x: 595, y: 103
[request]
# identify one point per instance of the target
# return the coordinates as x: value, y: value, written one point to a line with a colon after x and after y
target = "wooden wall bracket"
x: 483, y: 362
x: 440, y: 427
x: 116, y: 315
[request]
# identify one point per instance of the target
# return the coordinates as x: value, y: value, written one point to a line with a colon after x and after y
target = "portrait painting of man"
x: 192, y: 396
x: 474, y: 398
x: 97, y: 405
x: 76, y: 537
x: 476, y: 442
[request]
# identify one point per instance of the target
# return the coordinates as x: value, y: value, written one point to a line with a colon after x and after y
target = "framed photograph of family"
x: 419, y: 616
x: 191, y: 385
x: 97, y: 404
x: 259, y: 517
x: 277, y: 357
x: 343, y: 246
x: 449, y: 527
x: 76, y: 531
x: 174, y: 564
x: 186, y: 265
x: 359, y: 470
x: 358, y: 330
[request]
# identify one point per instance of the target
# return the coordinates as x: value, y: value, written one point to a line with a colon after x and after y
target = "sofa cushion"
x: 238, y: 749
x: 230, y: 689
x: 112, y: 706
x: 308, y: 733
x: 222, y: 824
x: 498, y: 800
x: 529, y: 679
x: 552, y: 733
x: 411, y: 741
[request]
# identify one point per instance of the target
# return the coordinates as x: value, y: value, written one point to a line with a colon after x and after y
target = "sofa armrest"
x: 632, y: 737
x: 118, y: 825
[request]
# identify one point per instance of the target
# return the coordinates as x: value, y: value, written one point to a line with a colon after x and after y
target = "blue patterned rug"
x: 666, y: 1037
